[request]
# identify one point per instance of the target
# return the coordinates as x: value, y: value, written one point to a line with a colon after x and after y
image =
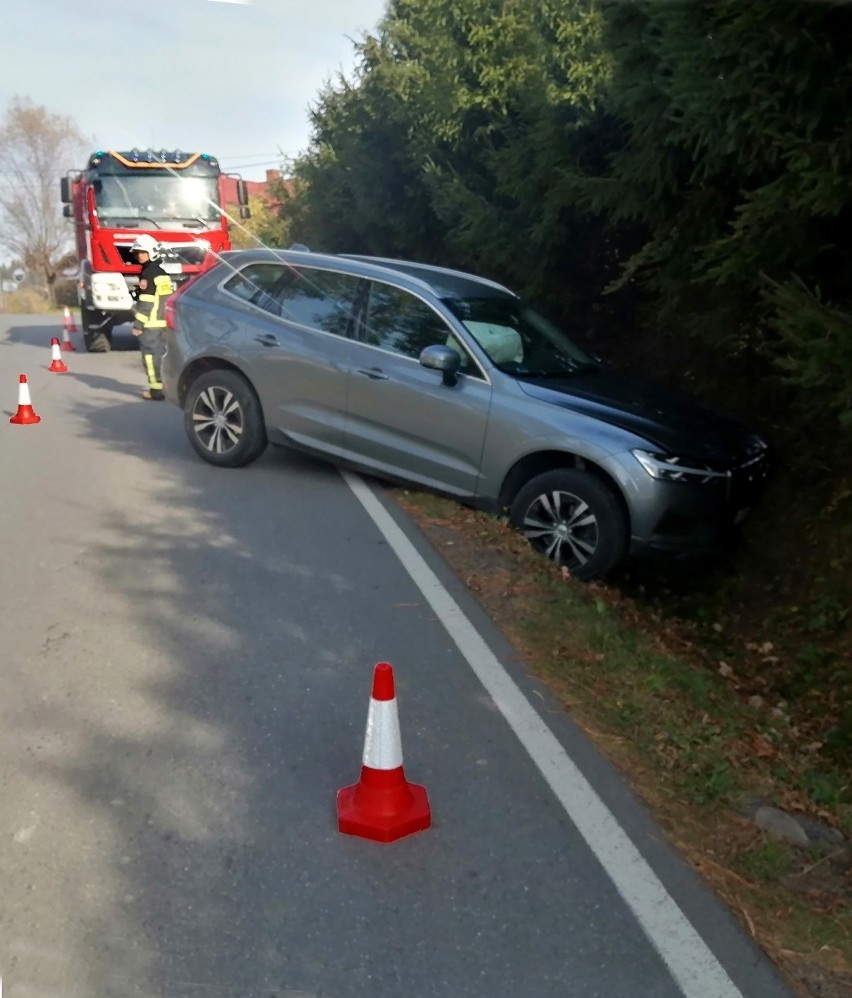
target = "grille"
x: 184, y: 253
x: 179, y: 253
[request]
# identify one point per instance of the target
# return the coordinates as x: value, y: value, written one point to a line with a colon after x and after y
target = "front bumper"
x: 109, y: 292
x: 693, y: 518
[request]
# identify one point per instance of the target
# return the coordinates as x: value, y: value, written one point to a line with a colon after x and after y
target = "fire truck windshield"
x: 163, y: 199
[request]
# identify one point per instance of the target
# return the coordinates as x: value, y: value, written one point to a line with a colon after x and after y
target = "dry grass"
x: 686, y: 736
x: 24, y: 301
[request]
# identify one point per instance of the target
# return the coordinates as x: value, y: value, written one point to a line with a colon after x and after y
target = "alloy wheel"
x: 217, y: 419
x: 562, y: 526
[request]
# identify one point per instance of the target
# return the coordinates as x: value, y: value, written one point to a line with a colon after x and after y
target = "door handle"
x: 267, y: 340
x: 376, y: 373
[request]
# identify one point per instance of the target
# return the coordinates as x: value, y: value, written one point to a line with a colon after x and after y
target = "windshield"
x: 158, y: 198
x: 518, y: 340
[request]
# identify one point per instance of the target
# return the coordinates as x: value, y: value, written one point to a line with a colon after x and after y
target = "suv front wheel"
x: 573, y: 518
x: 223, y: 419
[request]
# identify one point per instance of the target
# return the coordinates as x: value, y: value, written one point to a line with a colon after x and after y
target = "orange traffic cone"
x: 25, y: 412
x: 66, y: 340
x: 68, y: 323
x: 383, y: 805
x: 57, y: 364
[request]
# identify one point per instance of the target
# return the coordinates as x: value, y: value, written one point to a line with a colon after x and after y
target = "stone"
x: 781, y: 826
x: 821, y: 832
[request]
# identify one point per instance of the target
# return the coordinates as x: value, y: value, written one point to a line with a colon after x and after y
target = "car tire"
x: 97, y: 338
x: 97, y: 342
x: 224, y: 420
x: 575, y: 519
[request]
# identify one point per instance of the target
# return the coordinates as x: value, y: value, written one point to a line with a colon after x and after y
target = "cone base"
x: 58, y: 367
x: 377, y: 824
x: 25, y: 415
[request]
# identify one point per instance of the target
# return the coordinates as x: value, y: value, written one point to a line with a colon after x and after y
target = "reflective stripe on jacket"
x: 149, y: 310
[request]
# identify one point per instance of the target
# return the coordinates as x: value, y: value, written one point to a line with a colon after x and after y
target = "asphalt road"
x: 186, y: 657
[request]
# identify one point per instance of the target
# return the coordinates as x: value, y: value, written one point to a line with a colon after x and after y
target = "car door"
x: 402, y: 420
x: 300, y: 351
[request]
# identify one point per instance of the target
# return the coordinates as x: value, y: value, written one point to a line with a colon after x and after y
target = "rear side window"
x: 257, y: 285
x: 320, y: 299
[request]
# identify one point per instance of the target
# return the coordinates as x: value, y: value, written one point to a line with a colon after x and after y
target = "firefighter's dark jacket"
x: 149, y: 302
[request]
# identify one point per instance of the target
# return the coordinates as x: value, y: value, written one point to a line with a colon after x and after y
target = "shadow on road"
x: 98, y: 381
x: 39, y: 330
x: 255, y: 602
x: 221, y: 796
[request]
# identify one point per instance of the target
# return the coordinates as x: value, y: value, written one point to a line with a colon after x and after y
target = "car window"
x: 468, y: 365
x: 321, y: 299
x: 397, y: 320
x: 518, y: 339
x: 502, y: 343
x: 257, y: 284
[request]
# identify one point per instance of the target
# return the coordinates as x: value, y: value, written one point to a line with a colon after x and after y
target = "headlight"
x: 106, y: 283
x: 672, y: 468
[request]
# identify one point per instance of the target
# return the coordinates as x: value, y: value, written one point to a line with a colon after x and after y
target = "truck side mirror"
x: 245, y: 212
x: 65, y: 190
x: 242, y: 193
x: 68, y: 210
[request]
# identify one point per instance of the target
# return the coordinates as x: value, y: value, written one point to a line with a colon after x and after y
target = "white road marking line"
x: 690, y: 961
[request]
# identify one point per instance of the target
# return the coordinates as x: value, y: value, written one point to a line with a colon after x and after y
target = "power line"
x: 253, y: 166
x: 250, y: 155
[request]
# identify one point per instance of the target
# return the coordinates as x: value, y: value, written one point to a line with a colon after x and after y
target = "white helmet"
x: 146, y: 244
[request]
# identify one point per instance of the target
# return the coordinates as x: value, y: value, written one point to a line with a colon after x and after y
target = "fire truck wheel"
x: 96, y: 335
x: 97, y: 342
x: 224, y: 420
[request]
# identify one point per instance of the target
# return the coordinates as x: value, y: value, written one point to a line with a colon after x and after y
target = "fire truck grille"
x: 193, y: 255
x: 185, y: 253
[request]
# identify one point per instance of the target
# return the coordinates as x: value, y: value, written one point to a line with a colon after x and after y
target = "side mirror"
x: 245, y: 212
x: 443, y: 359
x: 65, y: 192
x: 68, y: 210
x: 242, y: 193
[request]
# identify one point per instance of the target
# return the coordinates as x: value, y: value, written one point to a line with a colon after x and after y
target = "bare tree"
x: 36, y: 148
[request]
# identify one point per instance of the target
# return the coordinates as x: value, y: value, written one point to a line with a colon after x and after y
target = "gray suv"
x: 444, y: 380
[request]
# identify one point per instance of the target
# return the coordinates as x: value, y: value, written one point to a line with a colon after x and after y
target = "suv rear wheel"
x: 573, y: 518
x: 223, y: 419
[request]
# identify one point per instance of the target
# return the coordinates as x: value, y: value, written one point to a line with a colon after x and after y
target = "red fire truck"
x: 176, y: 197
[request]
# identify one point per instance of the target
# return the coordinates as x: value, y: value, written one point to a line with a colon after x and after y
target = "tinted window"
x: 320, y: 299
x: 518, y: 339
x: 397, y: 320
x: 258, y: 284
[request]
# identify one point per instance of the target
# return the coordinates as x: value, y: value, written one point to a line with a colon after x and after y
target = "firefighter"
x: 154, y: 287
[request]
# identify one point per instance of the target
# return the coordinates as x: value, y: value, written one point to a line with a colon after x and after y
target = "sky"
x: 232, y: 79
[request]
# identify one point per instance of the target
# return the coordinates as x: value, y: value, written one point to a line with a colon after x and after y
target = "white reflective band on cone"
x: 24, y: 394
x: 54, y: 352
x: 382, y: 743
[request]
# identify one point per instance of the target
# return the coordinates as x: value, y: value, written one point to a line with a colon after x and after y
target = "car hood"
x: 675, y: 423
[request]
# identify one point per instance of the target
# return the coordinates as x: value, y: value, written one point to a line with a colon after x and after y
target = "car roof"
x: 445, y: 282
x: 440, y: 281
